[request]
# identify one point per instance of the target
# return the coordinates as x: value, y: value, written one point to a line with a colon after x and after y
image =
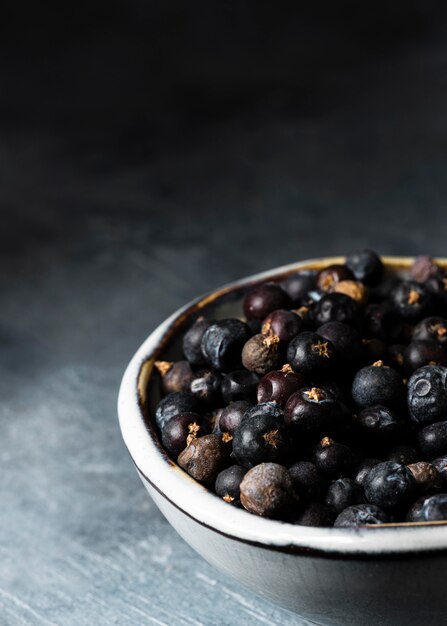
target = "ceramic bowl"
x: 393, y: 575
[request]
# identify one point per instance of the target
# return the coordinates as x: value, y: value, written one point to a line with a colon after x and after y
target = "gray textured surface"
x: 98, y: 245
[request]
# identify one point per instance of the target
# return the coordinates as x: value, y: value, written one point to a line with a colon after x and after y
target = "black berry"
x: 366, y: 266
x: 344, y: 492
x: 336, y: 307
x: 228, y: 483
x: 309, y: 353
x: 432, y: 328
x: 433, y: 440
x: 239, y: 385
x: 180, y: 430
x: 427, y: 394
x: 308, y: 481
x: 298, y: 285
x: 192, y: 341
x: 222, y: 344
x: 312, y: 411
x: 378, y: 384
x: 174, y: 376
x: 379, y: 422
x: 412, y: 300
x: 328, y: 277
x: 390, y: 486
x: 205, y: 385
x: 333, y: 459
x: 424, y: 352
x: 316, y: 514
x: 361, y: 515
x: 232, y: 416
x: 174, y: 404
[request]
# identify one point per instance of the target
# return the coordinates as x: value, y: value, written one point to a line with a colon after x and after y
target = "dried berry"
x: 333, y: 459
x: 361, y: 515
x: 192, y: 341
x: 222, y: 344
x: 179, y: 431
x: 279, y: 386
x: 264, y: 299
x: 309, y: 353
x: 312, y: 411
x: 282, y: 324
x: 432, y: 440
x: 267, y: 490
x: 232, y: 416
x: 228, y: 484
x: 423, y: 267
x: 328, y: 277
x: 204, y: 458
x: 427, y: 477
x: 308, y: 481
x: 174, y: 376
x: 336, y: 307
x: 262, y: 354
x: 344, y: 492
x: 390, y: 486
x: 205, y: 385
x: 427, y: 394
x: 378, y: 384
x: 174, y: 404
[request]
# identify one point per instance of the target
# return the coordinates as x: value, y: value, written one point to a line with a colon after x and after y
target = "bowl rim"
x: 196, y: 502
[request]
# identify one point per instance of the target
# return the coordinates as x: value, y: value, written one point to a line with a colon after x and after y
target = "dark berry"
x: 441, y: 465
x: 427, y: 477
x: 267, y: 490
x: 309, y: 483
x: 222, y: 344
x: 437, y: 286
x: 239, y: 385
x: 379, y: 422
x: 192, y: 341
x: 264, y: 299
x: 180, y: 430
x: 232, y: 416
x: 374, y: 350
x: 309, y: 353
x: 431, y: 509
x: 420, y: 353
x: 414, y: 513
x: 298, y: 285
x: 346, y: 340
x: 390, y: 486
x: 336, y: 307
x: 433, y: 440
x: 328, y: 277
x: 363, y: 468
x: 206, y: 386
x: 261, y: 437
x: 228, y: 483
x: 382, y: 322
x: 366, y: 266
x: 378, y: 384
x: 431, y: 328
x: 361, y: 515
x: 174, y: 376
x: 204, y: 458
x: 282, y: 324
x: 344, y: 492
x: 312, y: 411
x: 262, y: 354
x: 412, y: 300
x: 279, y: 386
x: 174, y: 404
x: 394, y: 356
x: 427, y: 394
x: 405, y: 455
x: 333, y: 459
x: 316, y: 514
x: 423, y: 267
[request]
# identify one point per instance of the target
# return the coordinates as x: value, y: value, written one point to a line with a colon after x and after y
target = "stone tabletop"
x: 108, y: 228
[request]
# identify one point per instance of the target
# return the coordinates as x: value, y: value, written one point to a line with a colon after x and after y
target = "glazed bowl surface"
x: 387, y: 575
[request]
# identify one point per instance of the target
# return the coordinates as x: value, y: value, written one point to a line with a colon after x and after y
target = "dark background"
x: 150, y: 151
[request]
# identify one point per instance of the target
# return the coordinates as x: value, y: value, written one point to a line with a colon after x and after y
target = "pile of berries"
x: 326, y: 403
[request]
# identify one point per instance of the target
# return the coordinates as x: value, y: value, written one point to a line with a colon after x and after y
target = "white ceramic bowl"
x: 392, y: 575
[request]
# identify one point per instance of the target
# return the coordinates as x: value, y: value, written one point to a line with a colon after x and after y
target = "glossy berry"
x: 333, y: 459
x: 431, y: 509
x: 267, y: 490
x: 382, y: 322
x: 174, y: 376
x: 346, y: 340
x: 420, y: 353
x: 412, y: 300
x: 366, y: 266
x: 264, y: 299
x: 427, y: 394
x: 262, y: 354
x: 431, y: 328
x: 328, y: 277
x: 427, y: 477
x: 282, y: 324
x: 311, y: 354
x: 440, y: 464
x: 228, y: 483
x: 363, y: 468
x: 308, y: 481
x: 261, y: 437
x: 180, y: 430
x: 390, y: 486
x: 222, y: 344
x: 380, y: 423
x: 378, y: 384
x: 432, y: 440
x: 298, y: 285
x: 336, y: 307
x: 361, y: 515
x: 278, y: 386
x: 405, y: 455
x: 312, y: 412
x: 204, y: 458
x: 232, y: 416
x: 239, y: 385
x: 192, y: 341
x: 174, y: 404
x: 316, y: 514
x: 342, y: 493
x: 205, y: 385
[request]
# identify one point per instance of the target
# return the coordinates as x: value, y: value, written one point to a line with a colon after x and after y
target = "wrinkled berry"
x: 427, y: 477
x: 204, y: 458
x: 222, y: 344
x: 422, y: 268
x: 361, y: 515
x: 267, y: 490
x: 262, y: 354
